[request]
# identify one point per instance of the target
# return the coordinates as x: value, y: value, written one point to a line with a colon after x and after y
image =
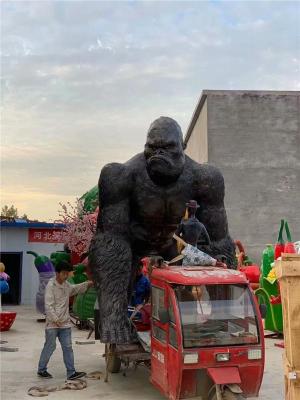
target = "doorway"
x: 13, y: 267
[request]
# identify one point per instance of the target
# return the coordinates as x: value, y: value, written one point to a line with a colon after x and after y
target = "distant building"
x: 17, y: 237
x: 254, y: 138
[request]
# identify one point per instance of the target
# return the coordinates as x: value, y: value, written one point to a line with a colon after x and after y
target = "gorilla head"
x: 164, y: 151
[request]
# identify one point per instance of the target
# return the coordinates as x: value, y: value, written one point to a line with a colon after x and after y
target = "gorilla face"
x: 164, y: 151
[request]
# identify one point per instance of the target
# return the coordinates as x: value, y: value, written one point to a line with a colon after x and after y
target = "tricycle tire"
x: 113, y: 363
x: 228, y: 395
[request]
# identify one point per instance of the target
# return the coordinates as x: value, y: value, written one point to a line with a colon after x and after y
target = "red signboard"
x: 42, y: 235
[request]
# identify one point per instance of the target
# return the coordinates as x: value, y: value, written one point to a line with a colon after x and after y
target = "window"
x: 158, y: 301
x: 172, y: 336
x: 159, y: 333
x: 171, y: 312
x: 172, y: 326
x: 219, y: 315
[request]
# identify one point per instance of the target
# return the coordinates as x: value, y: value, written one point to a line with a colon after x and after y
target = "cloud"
x: 82, y: 81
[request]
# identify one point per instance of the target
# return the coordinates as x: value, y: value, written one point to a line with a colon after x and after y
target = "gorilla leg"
x: 110, y: 261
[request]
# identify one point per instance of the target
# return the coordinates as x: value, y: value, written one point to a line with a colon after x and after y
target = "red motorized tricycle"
x: 206, y: 336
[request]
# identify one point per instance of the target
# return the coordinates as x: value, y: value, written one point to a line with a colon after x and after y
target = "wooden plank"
x: 128, y: 347
x: 290, y: 257
x: 136, y: 357
x: 85, y: 342
x: 9, y: 349
x: 288, y: 273
x: 292, y: 269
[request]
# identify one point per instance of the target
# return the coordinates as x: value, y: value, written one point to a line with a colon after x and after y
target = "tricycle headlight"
x: 190, y: 358
x: 223, y: 356
x: 254, y: 354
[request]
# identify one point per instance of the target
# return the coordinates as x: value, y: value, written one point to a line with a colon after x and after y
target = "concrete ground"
x: 18, y: 369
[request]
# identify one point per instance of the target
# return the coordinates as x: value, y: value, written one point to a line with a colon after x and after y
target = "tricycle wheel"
x: 229, y: 395
x: 113, y: 362
x: 226, y: 395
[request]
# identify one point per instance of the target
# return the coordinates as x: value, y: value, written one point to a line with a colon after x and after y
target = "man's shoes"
x: 76, y: 375
x: 45, y: 375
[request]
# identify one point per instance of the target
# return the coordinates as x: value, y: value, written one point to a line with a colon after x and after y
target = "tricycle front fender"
x: 224, y: 375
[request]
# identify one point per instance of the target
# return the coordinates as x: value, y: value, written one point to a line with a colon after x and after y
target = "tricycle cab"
x: 206, y: 334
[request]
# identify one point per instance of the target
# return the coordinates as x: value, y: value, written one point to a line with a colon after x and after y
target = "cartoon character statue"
x: 46, y: 271
x: 79, y: 274
x: 189, y: 234
x: 4, y: 286
x: 58, y: 256
x: 7, y: 318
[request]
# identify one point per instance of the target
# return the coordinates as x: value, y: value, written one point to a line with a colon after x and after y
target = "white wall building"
x: 18, y: 237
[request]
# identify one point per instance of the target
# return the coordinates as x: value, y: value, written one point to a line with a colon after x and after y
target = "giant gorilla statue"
x: 142, y: 201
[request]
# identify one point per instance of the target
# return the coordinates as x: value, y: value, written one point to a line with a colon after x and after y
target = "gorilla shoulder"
x: 115, y: 182
x: 208, y: 179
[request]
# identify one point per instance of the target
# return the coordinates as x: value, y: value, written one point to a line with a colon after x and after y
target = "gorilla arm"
x: 110, y: 254
x: 212, y: 213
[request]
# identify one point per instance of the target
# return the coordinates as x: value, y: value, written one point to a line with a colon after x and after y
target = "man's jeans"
x: 64, y: 336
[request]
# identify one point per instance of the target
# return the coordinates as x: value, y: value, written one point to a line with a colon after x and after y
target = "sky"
x: 81, y: 81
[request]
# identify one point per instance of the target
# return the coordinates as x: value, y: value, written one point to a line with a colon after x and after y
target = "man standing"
x: 58, y: 323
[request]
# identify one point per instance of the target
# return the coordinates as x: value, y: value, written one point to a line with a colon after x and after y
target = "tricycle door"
x: 174, y: 349
x: 158, y: 341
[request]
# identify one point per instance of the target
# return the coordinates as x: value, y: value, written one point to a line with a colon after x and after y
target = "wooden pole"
x: 288, y: 274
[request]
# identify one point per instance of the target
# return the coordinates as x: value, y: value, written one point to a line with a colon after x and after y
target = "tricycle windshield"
x: 216, y: 315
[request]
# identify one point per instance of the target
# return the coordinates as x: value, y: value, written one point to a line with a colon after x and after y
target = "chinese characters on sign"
x: 45, y: 235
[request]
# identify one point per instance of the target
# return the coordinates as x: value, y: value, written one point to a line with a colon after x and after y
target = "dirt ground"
x: 18, y: 369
